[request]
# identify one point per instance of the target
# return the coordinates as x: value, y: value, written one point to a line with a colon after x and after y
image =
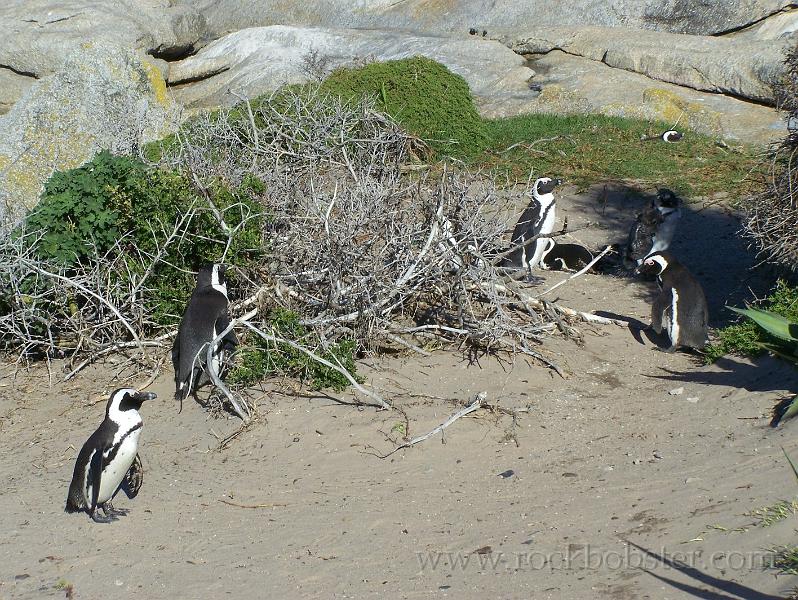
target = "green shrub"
x: 746, y: 337
x: 423, y: 96
x: 118, y: 197
x: 267, y: 358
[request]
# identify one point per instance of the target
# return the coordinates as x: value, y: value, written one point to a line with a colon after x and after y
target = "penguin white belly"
x: 542, y: 244
x: 217, y: 355
x: 673, y: 322
x: 114, y: 472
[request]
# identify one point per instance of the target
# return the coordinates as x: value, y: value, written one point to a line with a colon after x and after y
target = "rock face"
x: 254, y: 61
x: 36, y: 35
x: 739, y: 67
x: 104, y: 96
x: 572, y: 84
x: 702, y: 17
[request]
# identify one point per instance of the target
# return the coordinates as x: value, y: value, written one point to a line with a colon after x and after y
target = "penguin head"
x: 654, y: 264
x: 544, y: 186
x: 666, y: 200
x: 124, y: 400
x: 212, y: 276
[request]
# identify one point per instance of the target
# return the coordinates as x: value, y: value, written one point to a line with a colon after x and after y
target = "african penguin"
x: 672, y: 136
x: 204, y: 318
x: 565, y: 257
x: 106, y: 458
x: 681, y: 307
x: 537, y: 219
x: 653, y: 229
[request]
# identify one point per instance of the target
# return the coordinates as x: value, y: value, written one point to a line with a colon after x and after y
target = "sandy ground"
x: 610, y: 486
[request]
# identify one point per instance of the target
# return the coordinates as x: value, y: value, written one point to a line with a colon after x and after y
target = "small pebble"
x: 507, y: 473
x: 677, y: 391
x: 636, y: 461
x: 694, y: 399
x: 692, y: 479
x: 657, y: 454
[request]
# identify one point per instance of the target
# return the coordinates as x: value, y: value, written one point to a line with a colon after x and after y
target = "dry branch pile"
x: 772, y: 219
x: 362, y: 241
x: 365, y: 242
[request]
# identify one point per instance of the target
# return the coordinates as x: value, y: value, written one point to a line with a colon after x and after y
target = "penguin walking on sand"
x: 105, y: 461
x: 205, y: 317
x: 537, y: 219
x: 681, y: 307
x: 565, y: 257
x: 654, y: 228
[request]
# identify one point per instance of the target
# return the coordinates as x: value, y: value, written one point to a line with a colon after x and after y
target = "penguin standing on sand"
x: 537, y: 219
x: 105, y: 461
x: 654, y: 228
x: 681, y: 307
x: 205, y: 317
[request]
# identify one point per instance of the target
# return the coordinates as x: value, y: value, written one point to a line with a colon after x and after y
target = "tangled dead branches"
x: 360, y: 239
x: 772, y: 217
x: 363, y: 242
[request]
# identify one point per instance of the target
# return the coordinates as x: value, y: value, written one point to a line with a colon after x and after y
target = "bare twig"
x: 478, y: 402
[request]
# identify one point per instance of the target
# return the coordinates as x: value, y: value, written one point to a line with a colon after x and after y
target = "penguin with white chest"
x: 681, y: 306
x: 205, y: 317
x: 105, y: 461
x: 536, y: 220
x: 654, y: 228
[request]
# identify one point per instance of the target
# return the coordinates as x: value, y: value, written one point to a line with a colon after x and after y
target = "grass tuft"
x: 768, y: 515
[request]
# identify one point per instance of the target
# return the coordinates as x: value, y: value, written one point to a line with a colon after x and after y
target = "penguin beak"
x: 142, y: 396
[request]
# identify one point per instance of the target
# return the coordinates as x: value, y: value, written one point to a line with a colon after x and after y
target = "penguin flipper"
x: 230, y: 340
x: 94, y: 477
x: 661, y: 304
x: 131, y: 483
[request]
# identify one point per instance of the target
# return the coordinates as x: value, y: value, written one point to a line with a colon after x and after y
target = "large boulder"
x: 103, y: 97
x: 739, y: 67
x: 36, y: 35
x: 707, y: 17
x: 254, y: 61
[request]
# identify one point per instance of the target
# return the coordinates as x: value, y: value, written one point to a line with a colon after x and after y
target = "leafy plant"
x: 267, y: 358
x: 748, y: 338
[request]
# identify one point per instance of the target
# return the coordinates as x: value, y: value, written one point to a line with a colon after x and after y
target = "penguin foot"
x: 95, y: 516
x: 111, y: 512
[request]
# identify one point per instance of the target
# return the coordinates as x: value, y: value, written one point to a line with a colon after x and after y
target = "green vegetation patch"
x: 267, y: 358
x: 85, y: 211
x: 423, y: 96
x: 587, y: 148
x: 746, y: 337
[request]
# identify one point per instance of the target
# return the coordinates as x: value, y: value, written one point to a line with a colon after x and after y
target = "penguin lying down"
x: 109, y: 461
x: 565, y: 257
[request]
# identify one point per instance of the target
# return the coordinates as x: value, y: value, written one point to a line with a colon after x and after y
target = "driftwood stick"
x: 479, y: 401
x: 267, y: 505
x: 578, y: 273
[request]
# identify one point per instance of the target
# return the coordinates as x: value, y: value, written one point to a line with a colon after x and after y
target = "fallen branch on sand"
x: 578, y: 273
x: 479, y: 401
x: 267, y: 505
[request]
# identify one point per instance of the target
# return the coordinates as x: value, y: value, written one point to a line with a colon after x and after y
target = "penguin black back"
x: 205, y: 316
